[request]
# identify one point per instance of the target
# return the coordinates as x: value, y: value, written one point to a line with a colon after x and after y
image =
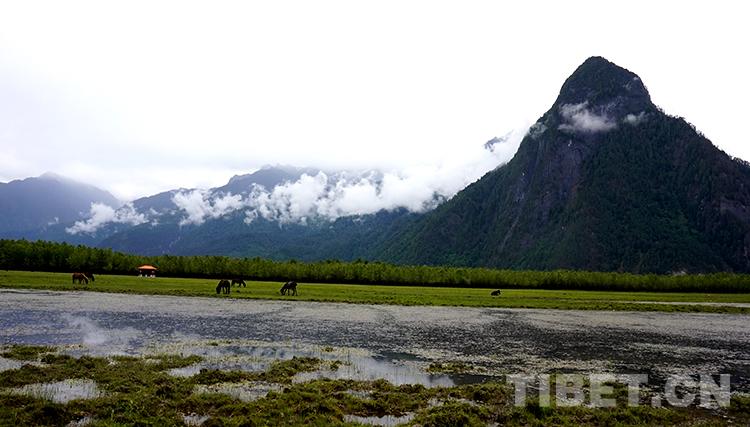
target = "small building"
x: 147, y: 271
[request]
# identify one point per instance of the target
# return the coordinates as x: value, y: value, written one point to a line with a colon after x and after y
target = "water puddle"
x: 249, y: 356
x: 102, y: 341
x: 227, y: 363
x: 8, y: 364
x: 365, y: 368
x: 361, y: 394
x: 244, y: 391
x: 385, y: 420
x: 85, y: 421
x: 341, y: 363
x: 62, y: 391
x: 194, y: 419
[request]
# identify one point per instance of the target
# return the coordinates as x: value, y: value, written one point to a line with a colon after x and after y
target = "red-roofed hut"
x: 147, y: 271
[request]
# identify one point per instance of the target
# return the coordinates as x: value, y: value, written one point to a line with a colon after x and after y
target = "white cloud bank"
x: 101, y: 214
x: 332, y: 197
x: 327, y: 196
x: 416, y: 189
x: 198, y: 206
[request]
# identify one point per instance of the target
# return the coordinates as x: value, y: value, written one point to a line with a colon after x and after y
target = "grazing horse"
x: 80, y: 278
x: 495, y: 293
x: 289, y: 287
x: 223, y: 286
x: 239, y: 282
x: 90, y: 276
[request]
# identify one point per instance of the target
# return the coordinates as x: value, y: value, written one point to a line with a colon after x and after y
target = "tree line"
x: 63, y: 257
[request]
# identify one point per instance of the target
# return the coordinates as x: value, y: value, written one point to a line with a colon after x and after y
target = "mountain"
x: 604, y: 180
x: 32, y: 205
x: 202, y: 222
x: 346, y: 238
x: 268, y: 177
x: 168, y: 228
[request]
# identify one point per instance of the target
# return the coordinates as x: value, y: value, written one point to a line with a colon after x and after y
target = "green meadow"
x: 400, y: 295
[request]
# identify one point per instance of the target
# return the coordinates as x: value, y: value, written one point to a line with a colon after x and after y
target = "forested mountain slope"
x: 603, y: 181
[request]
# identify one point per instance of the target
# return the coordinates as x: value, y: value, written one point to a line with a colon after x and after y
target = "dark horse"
x: 495, y: 293
x: 80, y: 278
x: 239, y: 282
x: 90, y: 276
x: 223, y: 286
x: 289, y: 287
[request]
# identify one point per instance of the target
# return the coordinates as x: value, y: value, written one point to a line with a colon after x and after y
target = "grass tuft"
x: 26, y: 352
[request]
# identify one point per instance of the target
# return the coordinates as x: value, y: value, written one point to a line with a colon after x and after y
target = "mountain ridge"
x: 38, y: 202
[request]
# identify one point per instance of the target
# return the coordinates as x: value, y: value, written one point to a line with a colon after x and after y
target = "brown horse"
x: 223, y: 286
x: 290, y: 288
x: 80, y: 278
x: 239, y: 282
x: 495, y: 293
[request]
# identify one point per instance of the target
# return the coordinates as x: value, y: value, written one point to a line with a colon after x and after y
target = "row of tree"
x: 62, y: 257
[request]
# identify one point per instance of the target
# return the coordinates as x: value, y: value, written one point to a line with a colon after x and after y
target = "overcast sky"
x: 138, y: 97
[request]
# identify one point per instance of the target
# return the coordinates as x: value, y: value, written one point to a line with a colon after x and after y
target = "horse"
x: 90, y: 276
x: 239, y: 282
x: 290, y: 287
x: 80, y: 278
x: 495, y: 293
x: 223, y: 286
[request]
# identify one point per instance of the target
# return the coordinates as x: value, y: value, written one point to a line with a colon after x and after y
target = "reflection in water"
x: 93, y: 338
x: 353, y: 364
x: 365, y: 368
x: 98, y: 340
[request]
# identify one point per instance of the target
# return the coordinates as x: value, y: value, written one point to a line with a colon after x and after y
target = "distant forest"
x: 62, y: 257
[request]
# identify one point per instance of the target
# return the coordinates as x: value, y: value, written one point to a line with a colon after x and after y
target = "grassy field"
x: 380, y: 294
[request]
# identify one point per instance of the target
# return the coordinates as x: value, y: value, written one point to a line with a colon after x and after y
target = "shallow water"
x: 61, y: 391
x: 401, y: 341
x: 256, y: 356
x: 8, y: 364
x: 370, y: 369
x: 194, y: 420
x: 244, y: 391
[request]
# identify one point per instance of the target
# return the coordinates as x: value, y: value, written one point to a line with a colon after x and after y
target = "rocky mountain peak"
x: 602, y: 88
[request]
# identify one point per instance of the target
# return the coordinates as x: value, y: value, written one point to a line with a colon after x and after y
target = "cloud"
x: 635, y: 119
x: 198, y: 206
x: 580, y: 118
x: 334, y: 196
x: 101, y: 214
x: 328, y: 196
x: 417, y: 189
